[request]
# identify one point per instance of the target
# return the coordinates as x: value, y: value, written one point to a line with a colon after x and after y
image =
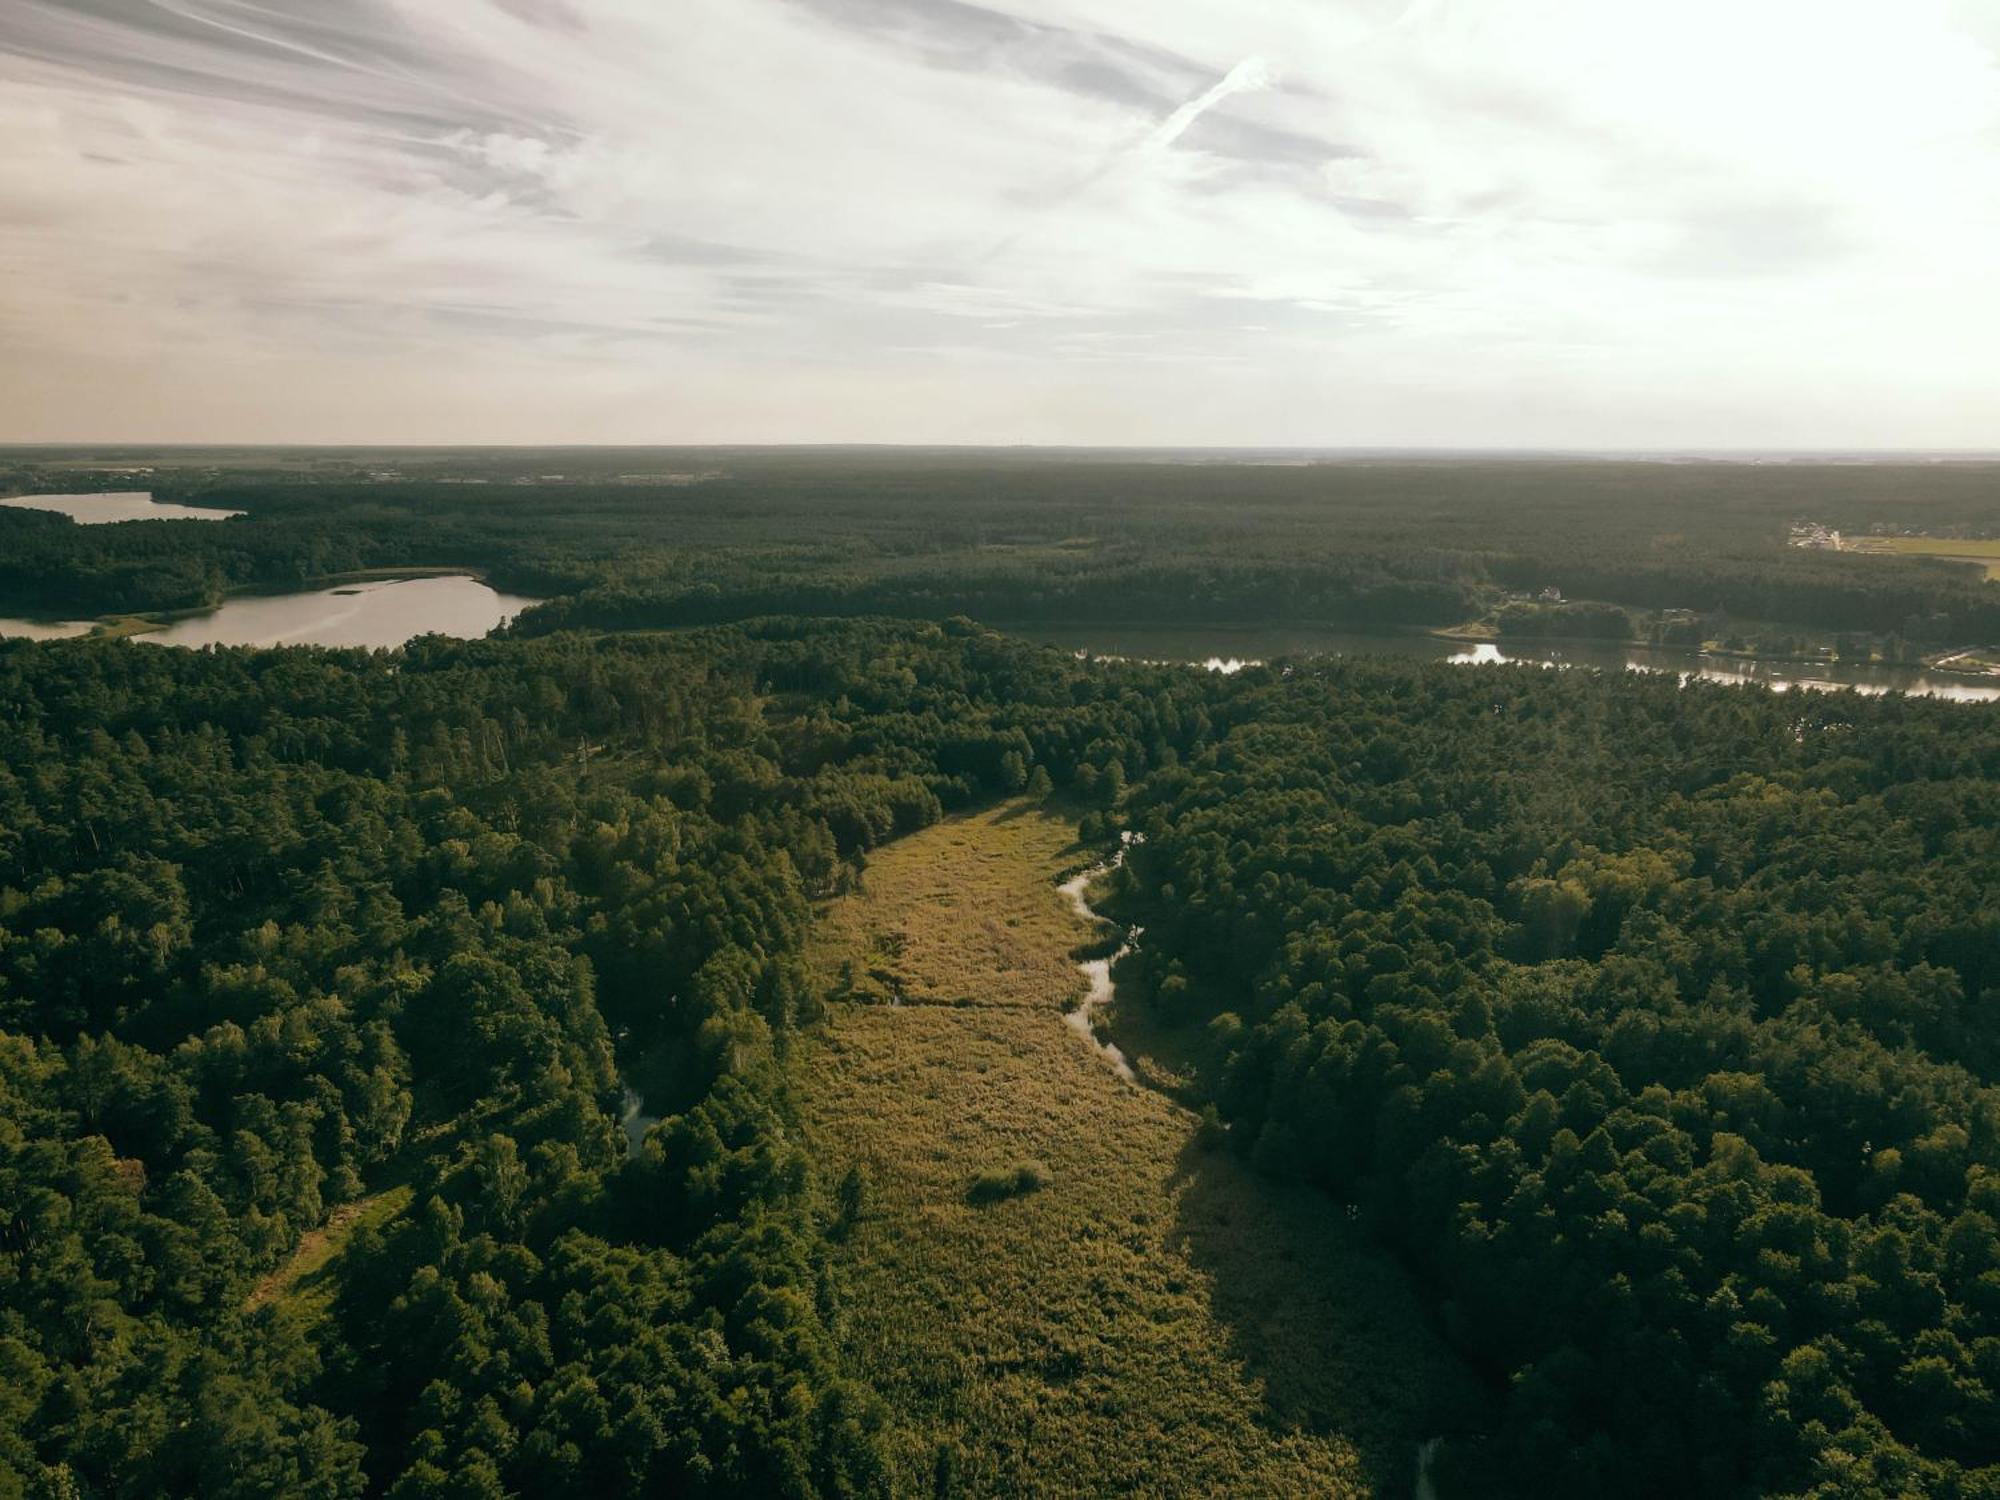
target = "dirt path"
x: 1153, y: 1319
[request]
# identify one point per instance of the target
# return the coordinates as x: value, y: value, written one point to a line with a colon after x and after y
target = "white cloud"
x: 1458, y: 221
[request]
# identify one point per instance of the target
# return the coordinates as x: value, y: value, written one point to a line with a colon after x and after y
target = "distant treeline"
x: 1352, y: 591
x: 1569, y: 621
x: 1034, y: 538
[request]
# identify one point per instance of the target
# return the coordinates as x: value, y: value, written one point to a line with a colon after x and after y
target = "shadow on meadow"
x: 1326, y: 1323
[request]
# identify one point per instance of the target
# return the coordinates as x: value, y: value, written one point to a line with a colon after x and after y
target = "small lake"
x: 116, y: 505
x: 384, y: 612
x: 45, y: 630
x: 1229, y: 650
x: 379, y: 612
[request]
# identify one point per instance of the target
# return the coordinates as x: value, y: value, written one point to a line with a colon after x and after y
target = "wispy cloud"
x: 1250, y: 74
x: 922, y: 219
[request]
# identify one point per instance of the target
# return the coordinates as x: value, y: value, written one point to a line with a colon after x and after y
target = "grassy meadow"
x: 1056, y: 1289
x: 964, y: 913
x: 1982, y: 551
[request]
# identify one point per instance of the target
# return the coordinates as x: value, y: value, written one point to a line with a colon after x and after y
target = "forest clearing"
x: 1151, y: 1319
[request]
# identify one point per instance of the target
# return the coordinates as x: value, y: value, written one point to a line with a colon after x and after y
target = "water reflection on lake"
x: 385, y: 612
x: 45, y: 630
x: 116, y: 505
x: 1227, y: 650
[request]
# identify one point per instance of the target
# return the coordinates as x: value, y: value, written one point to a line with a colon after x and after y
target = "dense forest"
x: 1653, y: 1030
x: 710, y: 536
x: 1655, y: 1026
x: 281, y: 932
x: 1651, y: 1025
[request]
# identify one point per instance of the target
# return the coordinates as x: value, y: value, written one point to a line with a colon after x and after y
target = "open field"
x: 1982, y: 551
x: 1154, y: 1319
x: 966, y: 913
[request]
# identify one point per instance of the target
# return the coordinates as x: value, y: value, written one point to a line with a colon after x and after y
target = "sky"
x: 1455, y: 223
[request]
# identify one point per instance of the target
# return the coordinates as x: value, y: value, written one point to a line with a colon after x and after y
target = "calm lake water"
x: 384, y: 612
x: 1225, y: 650
x: 116, y: 505
x: 46, y: 630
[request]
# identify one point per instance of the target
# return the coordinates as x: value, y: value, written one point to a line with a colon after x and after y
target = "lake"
x: 115, y: 505
x: 46, y: 630
x: 1228, y: 650
x: 385, y: 612
x: 380, y: 612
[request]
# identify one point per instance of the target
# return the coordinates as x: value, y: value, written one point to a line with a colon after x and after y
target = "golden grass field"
x: 966, y: 912
x: 1983, y: 551
x: 1155, y: 1320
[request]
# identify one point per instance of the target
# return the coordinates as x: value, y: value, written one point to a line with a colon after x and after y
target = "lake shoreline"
x: 127, y: 506
x: 125, y: 625
x: 1466, y: 635
x: 1230, y: 649
x: 368, y: 609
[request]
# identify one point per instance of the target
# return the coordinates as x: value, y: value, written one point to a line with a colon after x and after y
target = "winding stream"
x: 1427, y: 1452
x: 1096, y: 970
x: 634, y: 1124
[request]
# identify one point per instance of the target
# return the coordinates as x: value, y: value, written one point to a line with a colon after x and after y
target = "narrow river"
x: 633, y: 1123
x: 1426, y: 1488
x: 1096, y: 970
x: 1225, y: 650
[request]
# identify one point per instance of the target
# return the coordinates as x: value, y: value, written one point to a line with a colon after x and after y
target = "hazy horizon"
x: 135, y: 447
x: 1393, y: 225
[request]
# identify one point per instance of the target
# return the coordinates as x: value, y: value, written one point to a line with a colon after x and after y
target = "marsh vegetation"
x: 1056, y: 1287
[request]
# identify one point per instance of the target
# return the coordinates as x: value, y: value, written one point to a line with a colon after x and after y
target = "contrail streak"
x: 1251, y: 74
